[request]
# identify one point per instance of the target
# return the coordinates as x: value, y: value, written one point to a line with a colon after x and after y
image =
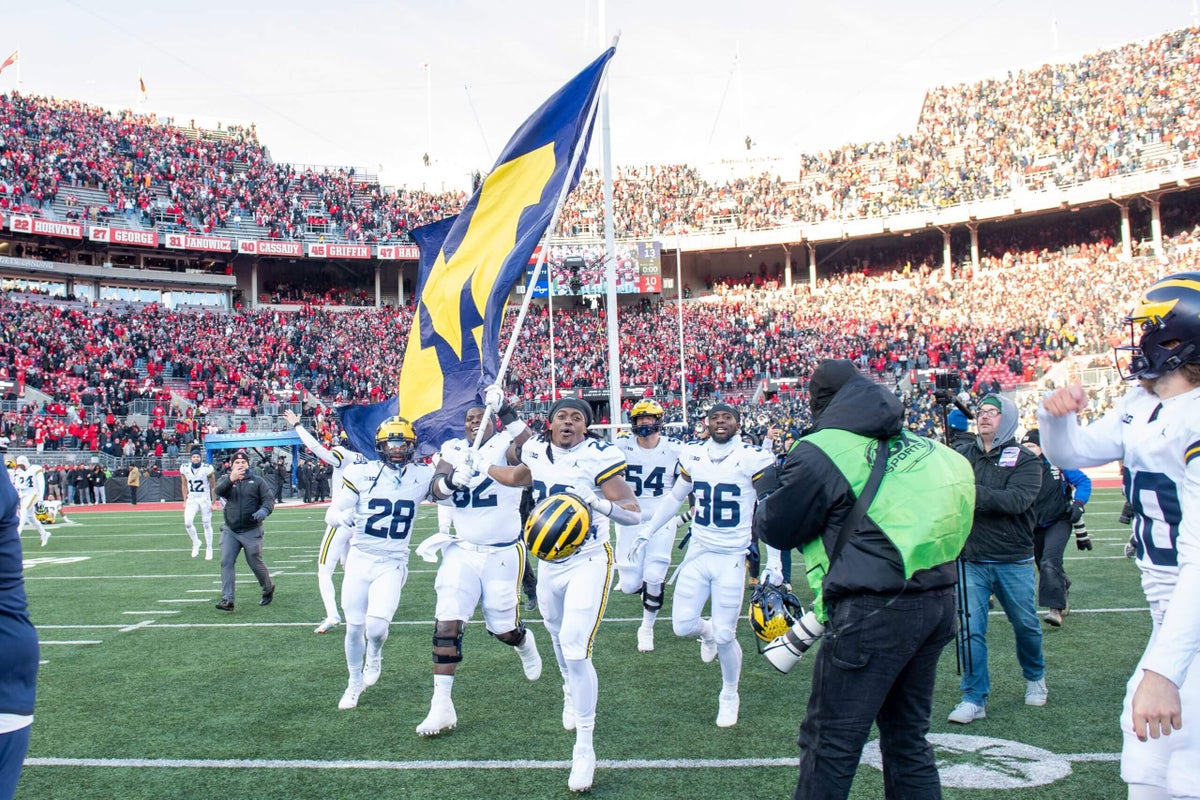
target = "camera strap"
x: 864, y: 500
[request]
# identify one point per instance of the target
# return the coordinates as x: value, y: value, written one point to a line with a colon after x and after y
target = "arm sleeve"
x: 1069, y: 446
x: 1172, y: 649
x: 315, y: 447
x: 679, y: 492
x: 1082, y: 484
x: 1018, y: 493
x: 342, y: 502
x: 774, y: 559
x: 39, y: 486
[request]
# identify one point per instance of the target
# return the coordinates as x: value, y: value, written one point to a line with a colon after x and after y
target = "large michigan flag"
x: 470, y: 262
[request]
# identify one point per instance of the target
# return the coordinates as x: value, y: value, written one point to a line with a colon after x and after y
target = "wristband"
x: 516, y: 427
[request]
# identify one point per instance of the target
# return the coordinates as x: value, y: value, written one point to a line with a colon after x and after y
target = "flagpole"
x: 610, y: 250
x: 679, y: 298
x: 550, y: 316
x: 20, y: 58
x: 537, y: 269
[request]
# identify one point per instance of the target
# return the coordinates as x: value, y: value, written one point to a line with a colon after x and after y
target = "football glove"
x: 1126, y: 514
x: 497, y: 403
x: 784, y: 652
x: 770, y: 576
x: 585, y: 493
x: 753, y: 560
x: 639, y: 544
x: 1076, y: 512
x: 1131, y: 547
x: 684, y: 517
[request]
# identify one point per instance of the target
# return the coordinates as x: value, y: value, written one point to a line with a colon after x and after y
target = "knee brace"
x: 447, y: 636
x: 652, y: 602
x: 515, y: 637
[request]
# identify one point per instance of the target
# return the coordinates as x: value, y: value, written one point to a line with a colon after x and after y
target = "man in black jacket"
x: 998, y: 557
x: 248, y: 501
x: 885, y: 597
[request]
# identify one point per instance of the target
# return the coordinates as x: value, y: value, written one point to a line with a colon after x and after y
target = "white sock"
x: 442, y: 685
x: 356, y: 646
x: 584, y: 689
x: 730, y: 656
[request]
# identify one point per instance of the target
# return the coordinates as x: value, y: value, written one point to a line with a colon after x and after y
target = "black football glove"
x: 1126, y: 514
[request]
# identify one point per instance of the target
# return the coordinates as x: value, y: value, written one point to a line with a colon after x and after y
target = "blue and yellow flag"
x: 470, y: 262
x: 361, y: 421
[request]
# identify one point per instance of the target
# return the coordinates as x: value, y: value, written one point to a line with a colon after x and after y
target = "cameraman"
x: 884, y: 580
x: 248, y: 501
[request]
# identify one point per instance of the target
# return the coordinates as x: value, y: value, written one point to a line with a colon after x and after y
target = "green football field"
x: 147, y: 691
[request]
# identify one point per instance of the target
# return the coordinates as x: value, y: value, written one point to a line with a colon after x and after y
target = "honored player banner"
x: 184, y: 241
x: 101, y: 233
x: 45, y: 227
x: 339, y: 251
x: 270, y: 247
x: 470, y: 262
x: 398, y: 252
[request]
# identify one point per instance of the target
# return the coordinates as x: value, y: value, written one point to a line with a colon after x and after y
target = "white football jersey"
x: 197, y: 480
x: 650, y: 473
x: 589, y: 463
x: 491, y: 512
x: 343, y: 458
x: 386, y: 505
x: 724, y: 492
x: 28, y: 480
x: 1158, y: 442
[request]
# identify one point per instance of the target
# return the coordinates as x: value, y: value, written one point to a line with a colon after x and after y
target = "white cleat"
x: 350, y: 698
x: 329, y: 624
x: 645, y: 639
x: 727, y: 709
x: 208, y: 555
x: 583, y: 768
x: 568, y: 718
x: 708, y: 649
x: 371, y: 670
x: 45, y: 539
x: 531, y: 659
x: 442, y: 718
x: 195, y: 549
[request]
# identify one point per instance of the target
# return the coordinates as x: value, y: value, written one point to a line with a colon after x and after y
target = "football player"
x: 483, y: 561
x: 572, y: 592
x: 30, y: 481
x: 378, y: 507
x: 721, y: 471
x: 1155, y: 430
x: 652, y: 465
x: 197, y: 480
x: 336, y: 541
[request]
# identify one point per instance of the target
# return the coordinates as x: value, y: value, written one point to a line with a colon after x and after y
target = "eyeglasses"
x: 988, y: 411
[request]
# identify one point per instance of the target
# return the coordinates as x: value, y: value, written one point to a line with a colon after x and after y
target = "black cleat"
x: 268, y: 596
x: 225, y: 605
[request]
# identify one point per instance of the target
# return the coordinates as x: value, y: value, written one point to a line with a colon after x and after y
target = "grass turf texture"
x: 257, y: 684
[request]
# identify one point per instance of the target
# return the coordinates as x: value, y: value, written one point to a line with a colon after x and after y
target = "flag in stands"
x: 361, y: 421
x: 469, y: 263
x: 8, y: 62
x: 141, y: 88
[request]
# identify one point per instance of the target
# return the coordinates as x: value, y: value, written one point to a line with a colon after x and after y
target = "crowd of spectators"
x: 1109, y: 113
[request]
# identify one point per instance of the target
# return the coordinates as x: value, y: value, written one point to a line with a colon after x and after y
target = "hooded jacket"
x: 815, y: 497
x: 1007, y: 480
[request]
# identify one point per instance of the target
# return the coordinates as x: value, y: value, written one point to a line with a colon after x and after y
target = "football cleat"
x: 568, y: 717
x: 645, y: 636
x: 208, y: 555
x: 728, y: 705
x: 583, y: 768
x: 372, y: 669
x: 45, y: 538
x: 329, y: 624
x: 441, y: 718
x: 708, y: 649
x: 195, y: 549
x: 531, y: 659
x: 350, y: 697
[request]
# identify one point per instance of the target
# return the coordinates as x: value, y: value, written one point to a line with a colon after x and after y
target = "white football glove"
x: 771, y: 576
x: 346, y: 519
x: 683, y: 517
x: 585, y: 493
x: 639, y: 544
x: 475, y: 479
x: 493, y: 398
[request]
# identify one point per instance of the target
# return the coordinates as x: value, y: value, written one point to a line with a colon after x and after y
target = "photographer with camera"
x: 879, y: 553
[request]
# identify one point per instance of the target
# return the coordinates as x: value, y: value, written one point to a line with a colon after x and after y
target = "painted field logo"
x: 981, y: 762
x: 33, y: 562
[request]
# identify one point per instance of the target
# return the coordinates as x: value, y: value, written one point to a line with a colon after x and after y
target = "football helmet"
x: 10, y: 463
x: 557, y: 526
x: 646, y: 408
x: 1168, y: 319
x: 395, y: 441
x: 23, y: 462
x: 773, y: 611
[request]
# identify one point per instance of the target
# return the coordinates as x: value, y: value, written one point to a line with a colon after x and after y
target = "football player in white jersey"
x: 572, y: 591
x: 721, y: 471
x: 30, y: 481
x: 482, y: 561
x: 652, y: 465
x: 1155, y: 431
x: 379, y: 508
x: 336, y: 540
x: 197, y: 480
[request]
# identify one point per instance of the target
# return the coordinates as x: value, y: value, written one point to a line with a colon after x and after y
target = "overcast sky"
x: 345, y: 82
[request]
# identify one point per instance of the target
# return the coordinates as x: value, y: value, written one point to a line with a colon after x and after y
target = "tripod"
x: 962, y: 650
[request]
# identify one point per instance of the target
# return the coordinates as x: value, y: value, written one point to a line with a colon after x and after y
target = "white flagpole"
x: 20, y: 58
x: 679, y: 298
x: 610, y: 253
x: 550, y: 317
x: 537, y: 269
